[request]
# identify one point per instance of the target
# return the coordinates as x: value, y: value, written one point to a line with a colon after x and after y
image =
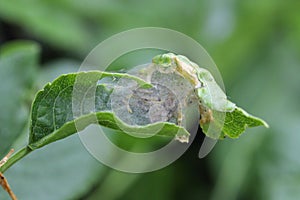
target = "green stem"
x: 14, y: 158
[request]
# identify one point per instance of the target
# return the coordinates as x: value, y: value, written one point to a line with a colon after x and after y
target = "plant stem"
x: 14, y: 158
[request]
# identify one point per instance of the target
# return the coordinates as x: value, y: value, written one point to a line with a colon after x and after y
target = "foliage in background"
x: 254, y: 43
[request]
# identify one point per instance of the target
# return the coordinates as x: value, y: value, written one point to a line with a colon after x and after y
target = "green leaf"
x: 53, y: 119
x: 211, y: 95
x: 18, y: 65
x: 207, y: 90
x: 219, y: 117
x: 234, y: 124
x: 224, y: 118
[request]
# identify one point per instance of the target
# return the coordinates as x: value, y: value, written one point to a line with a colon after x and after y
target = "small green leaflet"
x: 208, y: 91
x: 52, y: 117
x: 219, y: 117
x: 211, y: 95
x: 230, y: 124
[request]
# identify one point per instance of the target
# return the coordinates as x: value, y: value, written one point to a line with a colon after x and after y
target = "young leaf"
x: 211, y: 95
x: 219, y: 116
x: 233, y: 126
x: 53, y: 118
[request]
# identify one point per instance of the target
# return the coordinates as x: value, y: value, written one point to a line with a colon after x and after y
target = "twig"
x: 4, y: 160
x: 3, y: 181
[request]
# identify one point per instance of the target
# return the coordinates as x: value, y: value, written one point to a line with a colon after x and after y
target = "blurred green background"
x: 255, y: 44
